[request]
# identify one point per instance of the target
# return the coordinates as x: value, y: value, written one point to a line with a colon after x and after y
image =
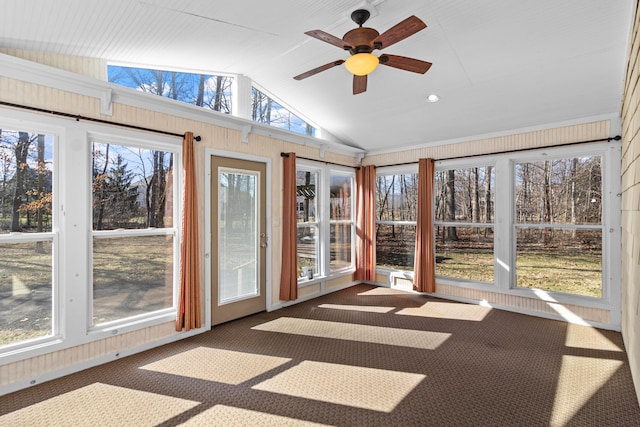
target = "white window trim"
x: 321, y: 274
x: 333, y: 170
x: 504, y: 213
x: 71, y: 230
x: 325, y: 171
x: 129, y: 323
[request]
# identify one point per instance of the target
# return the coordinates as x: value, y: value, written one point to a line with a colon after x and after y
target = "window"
x: 134, y: 231
x: 214, y: 92
x: 558, y: 225
x: 396, y: 210
x: 308, y: 222
x: 341, y: 220
x: 204, y: 90
x: 463, y: 210
x: 267, y: 111
x: 28, y: 236
x: 325, y: 211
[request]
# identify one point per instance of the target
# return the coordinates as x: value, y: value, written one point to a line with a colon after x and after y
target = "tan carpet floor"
x: 364, y: 356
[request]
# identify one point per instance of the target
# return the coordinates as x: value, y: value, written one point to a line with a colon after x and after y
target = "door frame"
x: 208, y: 153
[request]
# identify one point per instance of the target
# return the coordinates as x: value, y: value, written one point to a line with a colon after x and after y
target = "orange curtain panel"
x: 424, y: 275
x: 288, y: 271
x: 189, y: 312
x: 366, y: 223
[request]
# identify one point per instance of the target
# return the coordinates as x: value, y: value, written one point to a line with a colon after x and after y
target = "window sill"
x: 308, y: 282
x: 118, y: 327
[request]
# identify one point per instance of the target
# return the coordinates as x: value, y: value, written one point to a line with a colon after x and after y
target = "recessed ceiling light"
x: 433, y: 98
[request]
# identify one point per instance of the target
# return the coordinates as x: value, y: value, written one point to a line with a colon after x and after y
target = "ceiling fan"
x: 361, y: 41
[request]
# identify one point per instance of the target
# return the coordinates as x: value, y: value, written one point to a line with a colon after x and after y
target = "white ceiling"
x: 498, y: 65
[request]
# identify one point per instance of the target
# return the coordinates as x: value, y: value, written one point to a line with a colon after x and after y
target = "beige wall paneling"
x: 631, y: 207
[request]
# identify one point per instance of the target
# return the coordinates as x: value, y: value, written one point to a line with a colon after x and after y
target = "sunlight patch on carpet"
x: 588, y: 337
x: 228, y: 416
x: 447, y: 310
x: 579, y: 379
x: 375, y: 389
x: 118, y: 405
x: 365, y: 308
x: 353, y: 332
x: 212, y: 364
x: 382, y: 291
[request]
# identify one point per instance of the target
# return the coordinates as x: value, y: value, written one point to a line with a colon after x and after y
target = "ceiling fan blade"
x: 319, y: 69
x: 328, y: 38
x: 404, y: 63
x: 398, y: 32
x: 359, y: 84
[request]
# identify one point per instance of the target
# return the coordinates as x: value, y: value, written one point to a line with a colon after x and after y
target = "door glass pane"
x: 237, y: 235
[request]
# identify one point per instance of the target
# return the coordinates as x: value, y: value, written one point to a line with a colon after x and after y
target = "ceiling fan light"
x: 361, y: 64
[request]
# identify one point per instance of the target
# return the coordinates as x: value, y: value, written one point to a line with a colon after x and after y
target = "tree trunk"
x: 217, y: 102
x: 574, y: 168
x: 103, y: 184
x: 476, y: 196
x: 161, y: 186
x: 200, y: 97
x: 41, y: 176
x: 21, y: 152
x: 451, y: 204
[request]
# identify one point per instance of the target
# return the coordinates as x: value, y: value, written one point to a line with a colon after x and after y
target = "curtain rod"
x: 282, y: 154
x: 91, y: 119
x: 615, y: 138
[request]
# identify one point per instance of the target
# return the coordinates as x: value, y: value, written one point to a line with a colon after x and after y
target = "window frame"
x: 333, y: 171
x: 606, y: 214
x: 504, y: 228
x: 459, y: 164
x: 319, y: 265
x: 53, y: 236
x: 174, y: 231
x: 324, y: 172
x: 410, y: 169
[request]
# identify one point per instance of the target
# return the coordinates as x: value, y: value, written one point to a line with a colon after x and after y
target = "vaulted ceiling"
x: 498, y: 65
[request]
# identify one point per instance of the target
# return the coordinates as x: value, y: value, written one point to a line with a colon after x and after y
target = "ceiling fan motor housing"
x: 360, y: 38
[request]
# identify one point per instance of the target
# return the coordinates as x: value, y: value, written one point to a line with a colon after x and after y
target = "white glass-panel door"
x: 239, y: 239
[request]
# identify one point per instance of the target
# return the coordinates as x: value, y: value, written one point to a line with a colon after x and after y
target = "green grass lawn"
x: 572, y: 272
x: 134, y: 275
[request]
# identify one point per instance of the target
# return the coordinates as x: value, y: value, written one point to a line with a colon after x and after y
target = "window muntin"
x: 396, y: 210
x: 266, y: 110
x: 133, y: 230
x: 341, y: 220
x: 558, y: 225
x: 308, y: 222
x: 463, y: 205
x: 203, y: 90
x: 28, y: 237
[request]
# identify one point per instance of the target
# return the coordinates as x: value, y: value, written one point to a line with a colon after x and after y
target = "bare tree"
x: 451, y: 204
x: 21, y: 153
